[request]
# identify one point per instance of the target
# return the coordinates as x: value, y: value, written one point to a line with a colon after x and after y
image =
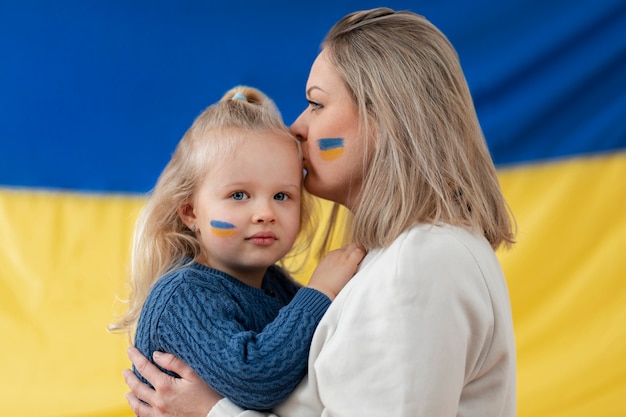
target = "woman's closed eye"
x: 314, y: 105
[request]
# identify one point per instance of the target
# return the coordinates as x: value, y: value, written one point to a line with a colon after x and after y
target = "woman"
x: 424, y: 328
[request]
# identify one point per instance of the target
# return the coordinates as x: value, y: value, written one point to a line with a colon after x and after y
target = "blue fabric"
x: 238, y: 338
x: 95, y: 96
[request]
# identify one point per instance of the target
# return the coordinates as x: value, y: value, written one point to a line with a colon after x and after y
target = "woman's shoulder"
x: 440, y: 239
x: 453, y: 256
x: 430, y: 251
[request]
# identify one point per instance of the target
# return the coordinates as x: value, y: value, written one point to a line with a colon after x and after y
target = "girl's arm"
x: 255, y: 370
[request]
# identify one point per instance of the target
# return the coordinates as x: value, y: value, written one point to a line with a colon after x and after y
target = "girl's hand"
x: 187, y: 396
x: 335, y: 270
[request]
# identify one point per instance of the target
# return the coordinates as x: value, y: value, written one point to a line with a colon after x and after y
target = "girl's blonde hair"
x: 427, y: 160
x: 161, y: 241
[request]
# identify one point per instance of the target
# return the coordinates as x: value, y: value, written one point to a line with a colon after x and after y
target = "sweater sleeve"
x: 255, y: 370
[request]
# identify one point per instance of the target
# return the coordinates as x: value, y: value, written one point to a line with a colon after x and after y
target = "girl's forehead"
x: 263, y: 158
x: 247, y: 145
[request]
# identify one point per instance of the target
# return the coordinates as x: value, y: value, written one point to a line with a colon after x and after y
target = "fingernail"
x: 156, y: 355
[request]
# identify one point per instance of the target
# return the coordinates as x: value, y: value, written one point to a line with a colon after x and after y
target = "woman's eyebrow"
x: 314, y: 87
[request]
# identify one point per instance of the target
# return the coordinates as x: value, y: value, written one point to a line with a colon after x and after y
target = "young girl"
x: 205, y: 286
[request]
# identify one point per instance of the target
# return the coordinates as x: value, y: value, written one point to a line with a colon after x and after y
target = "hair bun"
x: 239, y: 96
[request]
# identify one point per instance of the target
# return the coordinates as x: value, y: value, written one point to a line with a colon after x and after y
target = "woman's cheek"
x: 330, y: 149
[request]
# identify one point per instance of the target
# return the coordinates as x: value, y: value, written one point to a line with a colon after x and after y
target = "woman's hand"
x: 187, y: 396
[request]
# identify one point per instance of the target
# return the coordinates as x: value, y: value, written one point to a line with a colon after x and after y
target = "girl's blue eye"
x: 239, y: 195
x: 281, y: 197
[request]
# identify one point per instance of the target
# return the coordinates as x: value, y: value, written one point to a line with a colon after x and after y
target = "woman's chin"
x: 312, y: 187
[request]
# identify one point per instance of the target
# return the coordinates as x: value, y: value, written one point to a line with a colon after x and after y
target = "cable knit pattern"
x: 249, y: 346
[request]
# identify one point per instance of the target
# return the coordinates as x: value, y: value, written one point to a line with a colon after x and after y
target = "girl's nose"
x: 264, y: 213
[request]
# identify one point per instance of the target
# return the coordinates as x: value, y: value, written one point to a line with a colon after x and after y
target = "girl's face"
x: 247, y: 210
x: 328, y: 130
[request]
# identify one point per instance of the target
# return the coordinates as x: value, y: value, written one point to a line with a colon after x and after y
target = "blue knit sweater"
x: 251, y: 345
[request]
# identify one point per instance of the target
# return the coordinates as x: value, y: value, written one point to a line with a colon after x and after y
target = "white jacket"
x: 424, y: 329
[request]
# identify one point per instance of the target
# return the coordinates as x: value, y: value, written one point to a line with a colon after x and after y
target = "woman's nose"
x: 298, y: 128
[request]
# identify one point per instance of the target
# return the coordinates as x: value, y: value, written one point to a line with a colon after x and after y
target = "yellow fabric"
x: 63, y: 259
x: 566, y: 280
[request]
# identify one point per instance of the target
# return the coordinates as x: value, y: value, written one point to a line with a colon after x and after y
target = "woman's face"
x: 328, y: 130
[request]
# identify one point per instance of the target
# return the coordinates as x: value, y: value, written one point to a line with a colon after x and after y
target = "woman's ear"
x: 187, y: 214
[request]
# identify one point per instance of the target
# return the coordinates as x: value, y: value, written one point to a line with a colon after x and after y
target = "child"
x: 205, y: 286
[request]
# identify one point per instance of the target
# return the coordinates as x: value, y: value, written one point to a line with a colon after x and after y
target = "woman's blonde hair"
x: 161, y: 241
x: 427, y: 160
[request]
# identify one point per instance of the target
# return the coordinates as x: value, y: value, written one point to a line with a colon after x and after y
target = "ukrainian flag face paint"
x: 222, y: 229
x: 330, y: 148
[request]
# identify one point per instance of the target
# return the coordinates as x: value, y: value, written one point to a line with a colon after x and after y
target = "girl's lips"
x: 262, y: 238
x: 263, y: 235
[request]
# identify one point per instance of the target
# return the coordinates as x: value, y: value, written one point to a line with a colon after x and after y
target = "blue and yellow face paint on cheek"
x: 330, y: 148
x: 222, y: 229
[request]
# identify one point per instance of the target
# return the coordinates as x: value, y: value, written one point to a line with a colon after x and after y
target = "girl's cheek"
x: 221, y: 228
x: 330, y: 148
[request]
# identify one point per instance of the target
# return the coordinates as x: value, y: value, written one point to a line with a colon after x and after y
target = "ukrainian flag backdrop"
x: 95, y: 95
